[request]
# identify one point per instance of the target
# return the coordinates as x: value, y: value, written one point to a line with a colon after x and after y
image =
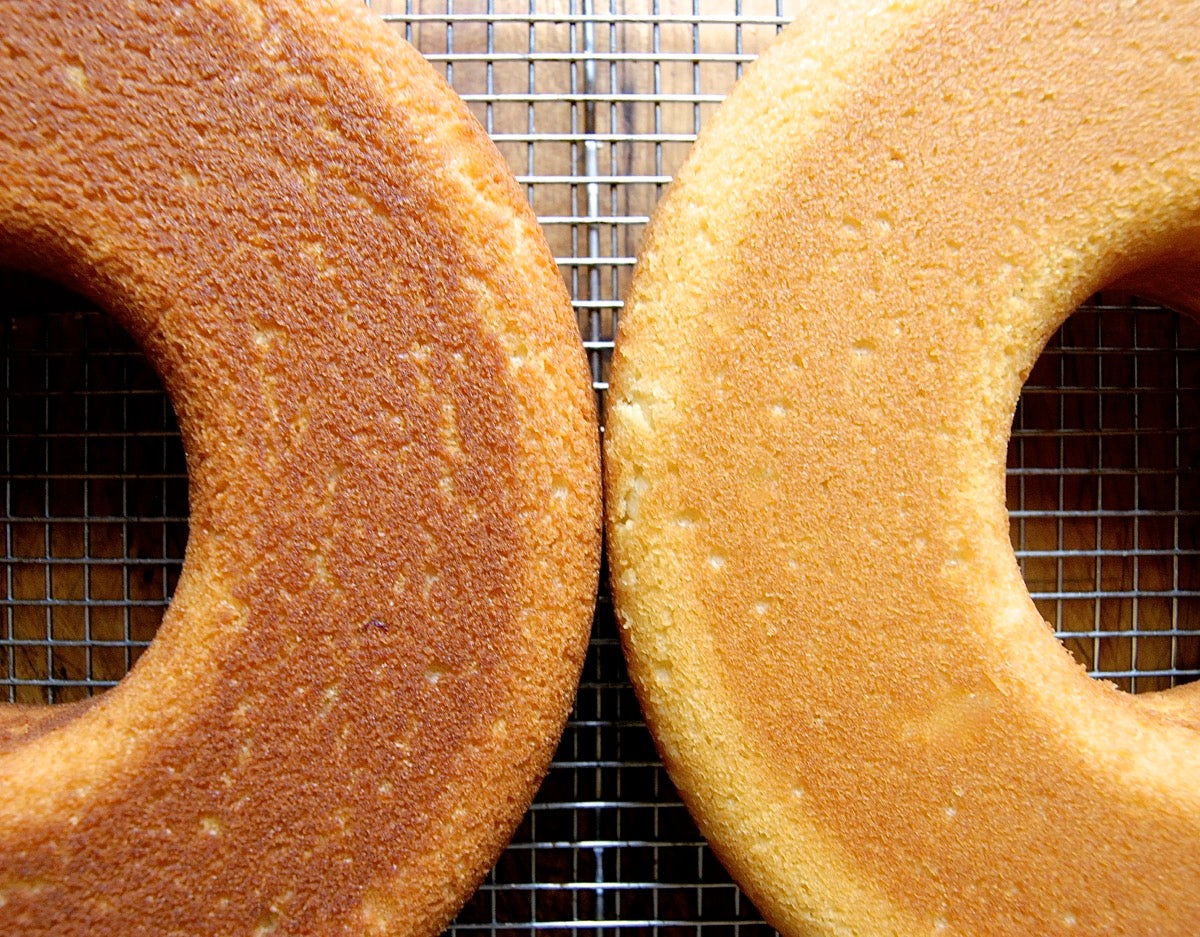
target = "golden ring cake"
x: 393, y: 468
x: 811, y: 397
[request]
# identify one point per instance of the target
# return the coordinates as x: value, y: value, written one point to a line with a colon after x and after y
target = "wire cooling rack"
x: 594, y: 104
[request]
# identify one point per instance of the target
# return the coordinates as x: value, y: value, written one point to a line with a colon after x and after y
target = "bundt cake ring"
x: 393, y: 466
x: 810, y: 403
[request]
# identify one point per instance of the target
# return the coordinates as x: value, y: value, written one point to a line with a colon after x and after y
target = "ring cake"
x: 393, y: 541
x: 810, y: 404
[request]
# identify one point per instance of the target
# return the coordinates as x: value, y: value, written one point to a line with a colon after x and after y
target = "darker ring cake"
x: 393, y: 470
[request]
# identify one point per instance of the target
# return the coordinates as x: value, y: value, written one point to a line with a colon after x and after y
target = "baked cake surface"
x: 393, y: 466
x: 810, y: 402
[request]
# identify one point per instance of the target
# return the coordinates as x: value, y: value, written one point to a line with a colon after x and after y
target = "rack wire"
x: 594, y: 103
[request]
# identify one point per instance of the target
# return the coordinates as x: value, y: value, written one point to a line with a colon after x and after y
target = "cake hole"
x: 212, y: 826
x: 864, y: 347
x: 95, y: 497
x: 1104, y: 491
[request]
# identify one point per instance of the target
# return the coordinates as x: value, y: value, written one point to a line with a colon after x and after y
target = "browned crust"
x: 393, y: 468
x: 808, y: 415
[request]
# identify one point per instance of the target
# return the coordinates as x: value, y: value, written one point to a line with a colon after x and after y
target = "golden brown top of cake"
x: 811, y: 398
x: 393, y: 466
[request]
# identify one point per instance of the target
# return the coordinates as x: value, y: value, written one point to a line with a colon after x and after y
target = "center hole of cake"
x: 95, y: 496
x: 1104, y: 492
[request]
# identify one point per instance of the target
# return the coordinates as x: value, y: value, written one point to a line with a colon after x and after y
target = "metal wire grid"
x: 594, y: 105
x: 95, y: 497
x: 1104, y: 493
